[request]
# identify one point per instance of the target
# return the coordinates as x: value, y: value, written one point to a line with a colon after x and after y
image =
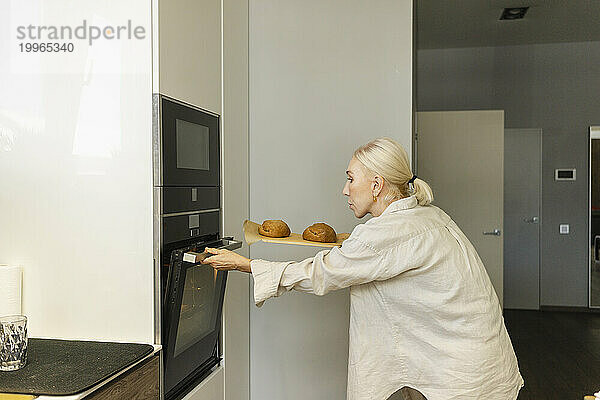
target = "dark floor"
x: 558, y: 353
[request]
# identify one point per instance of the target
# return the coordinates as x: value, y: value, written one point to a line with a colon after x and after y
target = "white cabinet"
x: 236, y: 314
x: 189, y: 51
x: 76, y: 161
x: 76, y: 172
x: 197, y: 58
x: 211, y: 388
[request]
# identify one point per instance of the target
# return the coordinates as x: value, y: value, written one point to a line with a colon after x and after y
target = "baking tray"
x: 252, y: 236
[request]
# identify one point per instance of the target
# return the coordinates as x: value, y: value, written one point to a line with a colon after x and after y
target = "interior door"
x: 461, y: 155
x: 522, y: 194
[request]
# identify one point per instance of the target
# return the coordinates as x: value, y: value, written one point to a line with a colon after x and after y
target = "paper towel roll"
x: 10, y: 290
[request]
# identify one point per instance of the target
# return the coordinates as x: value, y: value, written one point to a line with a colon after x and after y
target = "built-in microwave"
x: 186, y: 145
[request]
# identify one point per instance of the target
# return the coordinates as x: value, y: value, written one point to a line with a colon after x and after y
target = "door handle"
x: 532, y: 220
x: 495, y: 232
x: 195, y: 258
x: 597, y: 249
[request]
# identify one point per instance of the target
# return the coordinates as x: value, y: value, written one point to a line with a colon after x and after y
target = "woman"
x: 424, y: 317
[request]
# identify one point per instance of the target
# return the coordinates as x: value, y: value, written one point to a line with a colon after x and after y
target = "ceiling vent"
x: 514, y: 13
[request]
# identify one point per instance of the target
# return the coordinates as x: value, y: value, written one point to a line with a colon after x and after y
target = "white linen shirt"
x: 423, y: 312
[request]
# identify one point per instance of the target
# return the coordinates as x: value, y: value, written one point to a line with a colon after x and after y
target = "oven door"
x: 189, y: 145
x: 193, y: 306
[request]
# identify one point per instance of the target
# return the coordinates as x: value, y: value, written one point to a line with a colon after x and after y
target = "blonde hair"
x: 387, y: 158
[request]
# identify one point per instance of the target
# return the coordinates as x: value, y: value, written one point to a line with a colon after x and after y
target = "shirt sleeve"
x: 354, y: 263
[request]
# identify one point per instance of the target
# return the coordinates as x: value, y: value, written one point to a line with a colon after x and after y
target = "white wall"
x: 325, y: 77
x: 76, y: 173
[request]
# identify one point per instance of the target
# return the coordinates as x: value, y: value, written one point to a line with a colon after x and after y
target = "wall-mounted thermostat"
x: 563, y: 174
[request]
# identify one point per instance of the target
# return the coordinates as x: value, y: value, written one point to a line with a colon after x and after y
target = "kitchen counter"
x: 105, y: 382
x: 73, y: 370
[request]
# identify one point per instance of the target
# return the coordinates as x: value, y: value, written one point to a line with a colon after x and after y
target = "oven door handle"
x: 196, y: 258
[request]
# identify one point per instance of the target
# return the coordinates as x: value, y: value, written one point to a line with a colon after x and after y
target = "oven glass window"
x: 192, y: 145
x: 198, y: 315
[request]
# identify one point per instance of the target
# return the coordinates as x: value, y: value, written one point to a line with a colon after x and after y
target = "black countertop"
x: 66, y: 367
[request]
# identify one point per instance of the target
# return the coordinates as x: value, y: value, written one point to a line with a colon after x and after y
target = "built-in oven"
x: 187, y: 219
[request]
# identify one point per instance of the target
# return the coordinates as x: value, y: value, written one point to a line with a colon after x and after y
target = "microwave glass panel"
x: 198, y: 307
x: 193, y: 145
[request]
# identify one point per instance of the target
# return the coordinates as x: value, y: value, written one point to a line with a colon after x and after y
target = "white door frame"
x: 594, y: 133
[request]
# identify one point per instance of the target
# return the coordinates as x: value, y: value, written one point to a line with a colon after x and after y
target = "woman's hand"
x: 226, y: 260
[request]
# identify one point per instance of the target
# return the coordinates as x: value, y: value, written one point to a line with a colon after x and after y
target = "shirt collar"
x: 402, y: 204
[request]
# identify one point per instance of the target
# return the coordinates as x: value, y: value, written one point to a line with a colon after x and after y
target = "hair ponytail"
x: 422, y: 192
x: 387, y: 158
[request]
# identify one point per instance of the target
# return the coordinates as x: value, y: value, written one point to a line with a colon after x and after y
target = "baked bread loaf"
x: 274, y: 228
x: 320, y: 232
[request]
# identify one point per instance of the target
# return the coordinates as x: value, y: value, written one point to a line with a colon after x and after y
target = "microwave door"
x: 190, y: 145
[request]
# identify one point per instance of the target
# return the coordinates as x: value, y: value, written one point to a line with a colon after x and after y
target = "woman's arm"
x: 352, y: 264
x: 226, y: 260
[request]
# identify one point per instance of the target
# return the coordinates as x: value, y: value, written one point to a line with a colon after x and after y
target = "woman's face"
x: 358, y: 188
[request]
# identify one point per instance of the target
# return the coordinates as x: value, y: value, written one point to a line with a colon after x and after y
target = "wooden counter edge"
x: 139, y: 383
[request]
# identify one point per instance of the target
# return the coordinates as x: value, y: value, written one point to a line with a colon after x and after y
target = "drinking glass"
x: 13, y: 342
